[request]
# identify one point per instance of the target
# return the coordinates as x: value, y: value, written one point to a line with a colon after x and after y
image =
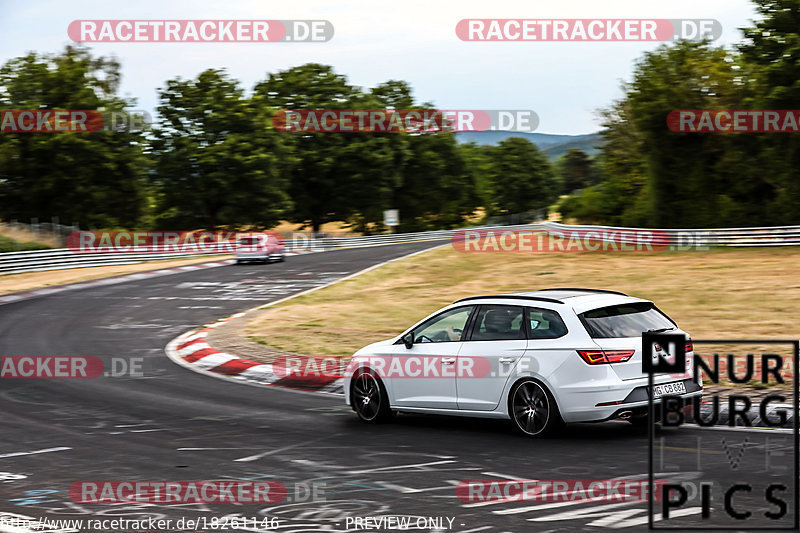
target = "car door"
x: 496, y: 343
x: 424, y: 375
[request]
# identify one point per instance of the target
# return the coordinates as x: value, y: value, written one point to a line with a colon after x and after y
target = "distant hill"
x: 554, y: 145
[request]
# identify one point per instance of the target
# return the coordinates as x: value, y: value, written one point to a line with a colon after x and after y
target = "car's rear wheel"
x: 533, y: 409
x: 369, y: 398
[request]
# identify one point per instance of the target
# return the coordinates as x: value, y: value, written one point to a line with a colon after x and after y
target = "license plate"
x: 676, y: 387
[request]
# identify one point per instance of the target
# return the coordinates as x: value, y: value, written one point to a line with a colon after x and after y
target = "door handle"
x: 448, y: 360
x: 507, y: 360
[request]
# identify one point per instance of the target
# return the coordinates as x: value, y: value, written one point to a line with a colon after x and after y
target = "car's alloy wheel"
x: 533, y: 409
x: 369, y: 398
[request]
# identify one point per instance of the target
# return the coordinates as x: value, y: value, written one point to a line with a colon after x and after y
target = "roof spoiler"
x: 511, y: 297
x: 602, y: 291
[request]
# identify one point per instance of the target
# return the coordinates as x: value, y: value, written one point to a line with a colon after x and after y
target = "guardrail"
x: 703, y: 237
x: 64, y: 258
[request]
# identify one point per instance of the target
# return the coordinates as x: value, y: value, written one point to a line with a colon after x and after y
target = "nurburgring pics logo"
x: 587, y: 29
x: 734, y: 121
x: 402, y: 120
x: 200, y: 31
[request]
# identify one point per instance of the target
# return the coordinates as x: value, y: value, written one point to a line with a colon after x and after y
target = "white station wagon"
x: 540, y: 358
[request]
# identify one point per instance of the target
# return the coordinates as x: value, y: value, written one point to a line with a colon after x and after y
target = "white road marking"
x: 631, y: 522
x: 270, y: 452
x: 46, y: 450
x: 202, y: 449
x: 555, y: 505
x: 506, y: 476
x: 399, y: 467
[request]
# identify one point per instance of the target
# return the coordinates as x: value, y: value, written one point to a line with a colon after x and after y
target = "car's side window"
x: 499, y: 323
x: 545, y: 324
x: 446, y: 327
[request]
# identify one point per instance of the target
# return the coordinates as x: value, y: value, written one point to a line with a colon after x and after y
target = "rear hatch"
x: 617, y: 330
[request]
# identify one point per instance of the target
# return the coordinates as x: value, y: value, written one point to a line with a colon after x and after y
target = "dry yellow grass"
x: 340, y: 229
x: 34, y: 280
x: 737, y: 293
x: 24, y: 235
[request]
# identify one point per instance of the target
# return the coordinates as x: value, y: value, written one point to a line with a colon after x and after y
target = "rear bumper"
x: 636, y: 400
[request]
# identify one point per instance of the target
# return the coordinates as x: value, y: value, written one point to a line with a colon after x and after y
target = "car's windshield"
x: 626, y: 320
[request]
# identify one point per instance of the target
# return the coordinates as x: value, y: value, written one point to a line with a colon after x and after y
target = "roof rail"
x: 584, y: 290
x: 511, y: 297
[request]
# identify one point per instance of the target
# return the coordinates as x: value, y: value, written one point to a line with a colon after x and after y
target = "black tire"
x: 533, y: 410
x: 369, y: 399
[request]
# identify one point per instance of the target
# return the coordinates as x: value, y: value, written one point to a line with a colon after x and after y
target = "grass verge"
x: 734, y: 293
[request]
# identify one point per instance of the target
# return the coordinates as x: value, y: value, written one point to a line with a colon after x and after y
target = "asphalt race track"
x: 174, y: 424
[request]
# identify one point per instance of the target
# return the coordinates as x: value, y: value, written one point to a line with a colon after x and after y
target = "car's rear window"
x: 248, y: 241
x: 625, y: 320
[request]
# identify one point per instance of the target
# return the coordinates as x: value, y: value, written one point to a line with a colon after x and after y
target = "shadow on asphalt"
x: 442, y: 427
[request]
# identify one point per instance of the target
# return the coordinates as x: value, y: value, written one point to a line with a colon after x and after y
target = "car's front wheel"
x: 369, y: 398
x: 533, y: 409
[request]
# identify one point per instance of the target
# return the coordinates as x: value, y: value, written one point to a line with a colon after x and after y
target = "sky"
x: 565, y: 83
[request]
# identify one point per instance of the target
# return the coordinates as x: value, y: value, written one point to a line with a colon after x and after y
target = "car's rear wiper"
x: 660, y: 330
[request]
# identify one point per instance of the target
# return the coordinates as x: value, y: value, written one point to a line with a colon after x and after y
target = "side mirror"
x: 408, y: 339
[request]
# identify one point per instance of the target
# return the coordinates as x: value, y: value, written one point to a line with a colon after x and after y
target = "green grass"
x: 8, y: 244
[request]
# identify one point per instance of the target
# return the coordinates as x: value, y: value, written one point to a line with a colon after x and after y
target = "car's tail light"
x: 603, y: 357
x: 689, y: 346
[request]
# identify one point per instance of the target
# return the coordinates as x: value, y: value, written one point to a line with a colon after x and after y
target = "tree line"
x: 213, y: 159
x: 651, y: 176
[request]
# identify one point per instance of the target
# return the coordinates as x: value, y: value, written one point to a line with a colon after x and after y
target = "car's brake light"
x: 602, y: 357
x: 689, y: 346
x: 619, y: 356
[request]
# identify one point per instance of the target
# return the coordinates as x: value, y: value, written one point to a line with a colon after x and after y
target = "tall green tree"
x: 658, y: 177
x: 218, y: 161
x: 522, y: 178
x: 93, y: 178
x: 771, y: 57
x: 337, y: 176
x: 438, y: 190
x: 576, y: 170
